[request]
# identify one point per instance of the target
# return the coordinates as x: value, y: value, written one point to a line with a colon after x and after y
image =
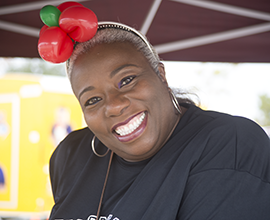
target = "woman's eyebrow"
x: 89, y: 88
x: 112, y: 74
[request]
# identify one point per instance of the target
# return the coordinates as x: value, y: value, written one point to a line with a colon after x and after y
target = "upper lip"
x: 125, y: 122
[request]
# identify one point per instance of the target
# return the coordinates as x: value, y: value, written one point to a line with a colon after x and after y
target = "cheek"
x: 93, y: 121
x: 154, y: 92
x: 88, y: 121
x: 97, y: 123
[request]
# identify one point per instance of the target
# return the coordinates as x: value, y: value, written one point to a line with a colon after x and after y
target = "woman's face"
x: 125, y: 104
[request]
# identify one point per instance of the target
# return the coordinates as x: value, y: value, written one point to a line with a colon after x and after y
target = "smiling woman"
x: 168, y: 158
x: 116, y: 87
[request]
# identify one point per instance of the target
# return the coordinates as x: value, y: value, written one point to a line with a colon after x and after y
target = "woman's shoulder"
x: 243, y: 128
x: 74, y: 138
x: 231, y: 142
x: 217, y: 119
x: 70, y: 157
x: 77, y: 135
x: 75, y: 143
x: 217, y: 125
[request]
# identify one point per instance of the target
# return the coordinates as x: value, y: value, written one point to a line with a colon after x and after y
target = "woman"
x: 143, y: 156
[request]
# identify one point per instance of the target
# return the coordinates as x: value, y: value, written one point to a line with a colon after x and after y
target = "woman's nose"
x: 116, y: 103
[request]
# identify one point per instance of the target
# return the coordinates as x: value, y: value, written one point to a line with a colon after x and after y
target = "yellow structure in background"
x: 36, y: 112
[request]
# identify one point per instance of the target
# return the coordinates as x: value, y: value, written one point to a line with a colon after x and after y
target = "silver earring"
x: 175, y: 103
x: 93, y: 148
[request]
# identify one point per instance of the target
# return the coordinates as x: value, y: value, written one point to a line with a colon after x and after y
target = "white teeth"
x: 131, y: 126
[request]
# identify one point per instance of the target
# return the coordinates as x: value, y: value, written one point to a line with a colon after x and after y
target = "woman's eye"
x: 125, y: 81
x: 92, y: 101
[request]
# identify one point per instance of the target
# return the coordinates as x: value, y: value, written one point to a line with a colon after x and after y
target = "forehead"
x: 95, y: 67
x: 119, y: 49
x: 107, y: 56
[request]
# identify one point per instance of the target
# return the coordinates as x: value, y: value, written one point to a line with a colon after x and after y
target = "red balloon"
x: 66, y: 5
x: 43, y: 29
x: 55, y: 45
x: 79, y: 22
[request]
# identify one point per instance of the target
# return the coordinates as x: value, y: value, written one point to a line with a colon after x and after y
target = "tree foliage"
x: 265, y: 109
x: 32, y: 65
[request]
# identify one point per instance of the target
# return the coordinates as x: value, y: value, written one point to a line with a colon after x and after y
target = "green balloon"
x: 49, y: 14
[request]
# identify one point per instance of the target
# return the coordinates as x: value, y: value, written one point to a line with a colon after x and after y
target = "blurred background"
x: 217, y: 51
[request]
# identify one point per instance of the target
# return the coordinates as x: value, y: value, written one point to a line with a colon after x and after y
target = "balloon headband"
x: 67, y: 24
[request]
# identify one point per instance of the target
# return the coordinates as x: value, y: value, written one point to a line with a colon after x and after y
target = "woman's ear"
x: 162, y: 73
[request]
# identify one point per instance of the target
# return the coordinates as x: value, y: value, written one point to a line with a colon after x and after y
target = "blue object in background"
x: 2, y: 178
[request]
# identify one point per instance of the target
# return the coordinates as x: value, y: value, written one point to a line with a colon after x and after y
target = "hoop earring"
x: 175, y: 103
x: 93, y: 148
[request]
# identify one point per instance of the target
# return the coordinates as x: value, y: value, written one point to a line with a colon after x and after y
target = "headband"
x: 110, y: 24
x: 67, y: 24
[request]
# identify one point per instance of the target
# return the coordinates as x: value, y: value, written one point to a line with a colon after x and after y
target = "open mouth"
x: 132, y: 129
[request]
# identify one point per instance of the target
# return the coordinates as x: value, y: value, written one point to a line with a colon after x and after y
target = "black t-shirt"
x: 214, y: 166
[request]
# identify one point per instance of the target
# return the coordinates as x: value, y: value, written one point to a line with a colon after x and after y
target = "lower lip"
x: 136, y: 133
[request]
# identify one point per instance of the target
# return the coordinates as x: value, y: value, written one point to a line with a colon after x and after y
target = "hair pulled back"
x: 112, y: 35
